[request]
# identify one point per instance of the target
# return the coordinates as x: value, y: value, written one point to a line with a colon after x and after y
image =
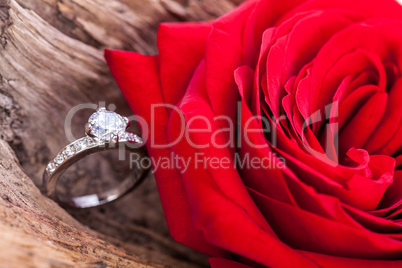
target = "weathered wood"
x: 51, y: 59
x: 35, y: 232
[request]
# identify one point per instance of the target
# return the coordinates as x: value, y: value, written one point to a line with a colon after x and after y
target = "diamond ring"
x: 105, y: 130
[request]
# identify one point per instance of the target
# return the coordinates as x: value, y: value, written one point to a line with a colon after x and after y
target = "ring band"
x: 105, y: 130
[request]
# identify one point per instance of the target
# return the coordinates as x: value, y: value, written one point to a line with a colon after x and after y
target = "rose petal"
x: 294, y: 49
x: 376, y: 224
x: 393, y: 145
x: 225, y: 263
x: 353, y: 103
x: 304, y: 230
x: 358, y: 130
x: 135, y: 71
x: 181, y: 48
x: 234, y: 188
x: 235, y: 224
x: 391, y: 120
x: 379, y: 39
x: 328, y: 261
x: 257, y: 178
x: 393, y: 195
x: 264, y: 16
x: 222, y: 57
x: 381, y: 9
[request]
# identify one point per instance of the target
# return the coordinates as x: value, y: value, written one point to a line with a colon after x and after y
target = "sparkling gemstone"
x: 69, y: 151
x: 137, y: 140
x: 50, y: 167
x: 89, y: 142
x: 78, y: 146
x: 104, y: 123
x: 59, y: 159
x: 123, y: 136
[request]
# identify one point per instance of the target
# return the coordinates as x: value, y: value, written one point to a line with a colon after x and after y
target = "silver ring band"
x: 82, y: 147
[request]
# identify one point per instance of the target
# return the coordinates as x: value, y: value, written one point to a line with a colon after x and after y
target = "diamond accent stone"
x: 78, y: 146
x: 51, y: 167
x: 123, y: 136
x: 59, y: 159
x: 69, y: 151
x: 89, y: 142
x: 104, y: 124
x: 130, y: 137
x: 137, y: 139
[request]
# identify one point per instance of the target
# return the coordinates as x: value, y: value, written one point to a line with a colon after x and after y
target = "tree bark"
x: 51, y: 60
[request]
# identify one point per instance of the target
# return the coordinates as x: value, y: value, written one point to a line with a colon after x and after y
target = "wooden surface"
x: 51, y: 60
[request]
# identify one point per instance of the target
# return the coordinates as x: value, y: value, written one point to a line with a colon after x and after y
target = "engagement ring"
x: 105, y: 130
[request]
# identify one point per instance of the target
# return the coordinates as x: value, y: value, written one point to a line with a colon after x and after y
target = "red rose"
x: 319, y: 85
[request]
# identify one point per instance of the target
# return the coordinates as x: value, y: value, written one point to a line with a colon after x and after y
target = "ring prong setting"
x: 114, y: 138
x: 88, y: 128
x: 127, y: 121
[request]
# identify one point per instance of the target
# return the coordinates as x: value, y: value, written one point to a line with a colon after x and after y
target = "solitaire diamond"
x: 104, y: 124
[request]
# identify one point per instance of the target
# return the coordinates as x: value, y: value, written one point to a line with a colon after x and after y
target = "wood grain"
x: 51, y: 60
